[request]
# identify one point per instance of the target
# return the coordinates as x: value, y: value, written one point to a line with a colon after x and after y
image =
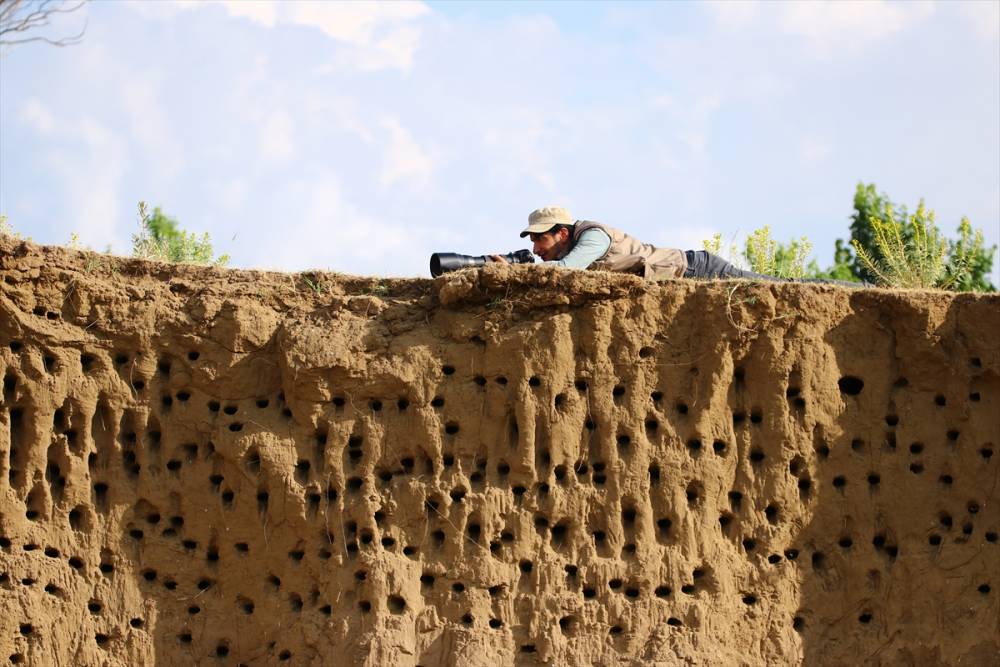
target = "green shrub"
x: 767, y: 256
x: 160, y: 238
x: 911, y: 251
x: 968, y: 263
x: 763, y: 254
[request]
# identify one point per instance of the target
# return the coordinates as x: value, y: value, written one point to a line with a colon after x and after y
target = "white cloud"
x: 984, y: 17
x: 87, y: 161
x: 831, y: 26
x: 263, y: 12
x: 91, y: 181
x: 395, y: 51
x: 161, y: 10
x: 375, y: 35
x: 517, y: 143
x: 662, y: 102
x: 692, y: 124
x: 149, y: 123
x: 321, y: 107
x: 333, y: 232
x: 695, y: 142
x: 232, y: 194
x: 404, y: 161
x: 815, y: 149
x: 36, y: 115
x: 354, y: 22
x: 275, y: 142
x: 733, y: 13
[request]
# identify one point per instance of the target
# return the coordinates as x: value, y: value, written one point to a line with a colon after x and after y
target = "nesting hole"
x: 851, y: 385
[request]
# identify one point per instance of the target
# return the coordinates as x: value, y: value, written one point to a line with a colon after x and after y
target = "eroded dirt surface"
x: 507, y: 466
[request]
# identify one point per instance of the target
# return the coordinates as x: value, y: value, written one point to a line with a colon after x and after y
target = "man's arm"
x: 591, y: 246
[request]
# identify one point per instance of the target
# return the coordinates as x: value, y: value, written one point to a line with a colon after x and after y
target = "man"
x: 583, y: 244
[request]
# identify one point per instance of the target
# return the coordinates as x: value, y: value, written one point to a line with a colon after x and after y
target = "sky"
x: 362, y: 137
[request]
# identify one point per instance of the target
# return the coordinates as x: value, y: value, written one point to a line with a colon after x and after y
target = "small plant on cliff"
x: 969, y: 262
x: 714, y: 246
x: 912, y: 253
x: 314, y: 283
x: 6, y: 229
x: 769, y: 257
x: 160, y: 238
x: 763, y: 254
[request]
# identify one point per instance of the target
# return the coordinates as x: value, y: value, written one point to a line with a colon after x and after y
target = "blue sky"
x: 362, y: 137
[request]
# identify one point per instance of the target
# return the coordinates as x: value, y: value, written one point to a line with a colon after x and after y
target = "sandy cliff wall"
x: 514, y: 466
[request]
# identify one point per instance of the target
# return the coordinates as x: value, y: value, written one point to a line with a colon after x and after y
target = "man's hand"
x: 498, y: 258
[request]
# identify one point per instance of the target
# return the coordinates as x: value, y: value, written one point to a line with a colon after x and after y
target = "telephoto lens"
x: 444, y: 262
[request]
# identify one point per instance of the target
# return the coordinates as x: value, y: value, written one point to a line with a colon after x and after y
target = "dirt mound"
x: 507, y: 466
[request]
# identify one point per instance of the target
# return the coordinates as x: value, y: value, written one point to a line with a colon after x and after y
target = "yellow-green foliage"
x: 969, y: 261
x: 6, y: 229
x: 769, y: 257
x: 160, y: 238
x: 914, y: 253
x: 714, y: 246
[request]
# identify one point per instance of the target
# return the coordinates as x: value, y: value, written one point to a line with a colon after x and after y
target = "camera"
x: 443, y: 262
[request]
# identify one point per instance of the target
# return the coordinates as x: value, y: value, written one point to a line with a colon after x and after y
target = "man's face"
x: 550, y: 246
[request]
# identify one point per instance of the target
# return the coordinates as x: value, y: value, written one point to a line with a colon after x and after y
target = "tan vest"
x: 630, y: 255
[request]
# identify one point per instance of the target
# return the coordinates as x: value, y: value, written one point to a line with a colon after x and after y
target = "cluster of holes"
x: 303, y: 472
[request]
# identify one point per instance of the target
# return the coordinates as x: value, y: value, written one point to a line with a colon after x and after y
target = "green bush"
x: 767, y: 256
x: 968, y: 262
x: 160, y: 238
x: 887, y: 246
x: 762, y: 254
x: 911, y: 251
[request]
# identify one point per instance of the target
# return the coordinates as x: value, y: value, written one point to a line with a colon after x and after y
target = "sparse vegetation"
x: 714, y: 246
x: 161, y: 238
x: 314, y: 283
x: 7, y: 229
x: 967, y: 262
x: 887, y: 246
x: 769, y: 257
x: 763, y: 254
x: 912, y: 253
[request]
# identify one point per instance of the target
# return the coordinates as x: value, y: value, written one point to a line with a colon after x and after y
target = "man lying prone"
x: 583, y: 244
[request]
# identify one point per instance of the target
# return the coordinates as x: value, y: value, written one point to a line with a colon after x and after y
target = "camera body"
x: 443, y: 262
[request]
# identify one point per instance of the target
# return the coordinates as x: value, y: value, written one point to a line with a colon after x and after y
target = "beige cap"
x: 544, y: 219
